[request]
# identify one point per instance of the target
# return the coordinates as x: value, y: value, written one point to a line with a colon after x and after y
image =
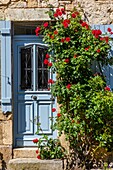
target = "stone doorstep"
x: 34, y: 164
x: 24, y: 152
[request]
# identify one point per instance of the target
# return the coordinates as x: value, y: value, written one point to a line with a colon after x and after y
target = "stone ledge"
x: 34, y: 164
x: 24, y: 153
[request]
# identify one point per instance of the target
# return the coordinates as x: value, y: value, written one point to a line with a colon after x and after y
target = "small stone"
x: 4, y: 2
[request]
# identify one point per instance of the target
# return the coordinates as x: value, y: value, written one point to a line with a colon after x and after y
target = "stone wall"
x: 97, y: 11
x: 5, y: 139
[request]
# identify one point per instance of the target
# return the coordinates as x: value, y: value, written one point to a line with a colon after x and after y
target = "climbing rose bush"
x: 84, y: 98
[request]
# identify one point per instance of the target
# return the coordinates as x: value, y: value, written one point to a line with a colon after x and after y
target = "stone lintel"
x: 32, y: 14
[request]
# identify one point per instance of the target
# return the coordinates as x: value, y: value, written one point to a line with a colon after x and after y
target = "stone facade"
x: 5, y: 139
x: 96, y: 12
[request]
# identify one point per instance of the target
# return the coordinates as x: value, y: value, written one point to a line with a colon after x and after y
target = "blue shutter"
x: 5, y: 28
x: 107, y: 70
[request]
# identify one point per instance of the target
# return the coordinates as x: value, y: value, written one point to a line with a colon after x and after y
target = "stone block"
x: 69, y: 7
x: 19, y: 4
x: 5, y: 2
x: 1, y: 133
x: 2, y: 16
x: 6, y: 152
x: 32, y: 3
x: 7, y: 132
x: 54, y: 3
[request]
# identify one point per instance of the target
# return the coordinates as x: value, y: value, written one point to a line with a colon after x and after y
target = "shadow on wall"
x: 2, y: 163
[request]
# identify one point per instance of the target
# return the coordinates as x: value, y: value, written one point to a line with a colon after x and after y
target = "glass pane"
x: 26, y: 28
x: 42, y: 69
x: 26, y: 69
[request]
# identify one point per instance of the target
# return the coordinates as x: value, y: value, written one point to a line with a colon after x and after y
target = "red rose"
x: 102, y: 38
x: 55, y: 32
x: 50, y: 81
x: 63, y: 10
x: 68, y: 86
x: 55, y: 15
x: 48, y: 89
x: 73, y: 15
x: 53, y: 110
x: 106, y: 39
x: 99, y: 32
x: 46, y: 61
x: 65, y: 25
x: 66, y: 60
x: 37, y: 31
x: 77, y: 13
x: 57, y: 10
x: 98, y: 51
x: 47, y: 56
x: 52, y: 37
x: 75, y: 56
x: 84, y: 24
x: 109, y: 30
x: 46, y: 24
x: 49, y: 64
x: 39, y: 157
x: 35, y: 140
x: 67, y: 39
x: 87, y: 48
x: 58, y: 114
x: 107, y: 88
x: 60, y: 13
x: 62, y: 40
x: 37, y: 151
x: 66, y: 22
x: 96, y: 33
x: 81, y: 21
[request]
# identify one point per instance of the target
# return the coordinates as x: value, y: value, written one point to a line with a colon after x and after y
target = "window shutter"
x: 107, y: 70
x: 6, y: 66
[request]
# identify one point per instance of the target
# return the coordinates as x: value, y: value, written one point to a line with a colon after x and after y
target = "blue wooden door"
x: 33, y: 102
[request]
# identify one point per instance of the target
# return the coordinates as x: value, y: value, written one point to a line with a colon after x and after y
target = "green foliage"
x: 86, y: 103
x: 50, y: 148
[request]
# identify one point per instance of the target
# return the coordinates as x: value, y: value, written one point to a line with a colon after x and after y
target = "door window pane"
x: 26, y: 69
x: 42, y: 70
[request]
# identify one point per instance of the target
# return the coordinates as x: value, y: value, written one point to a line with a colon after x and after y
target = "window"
x: 34, y: 73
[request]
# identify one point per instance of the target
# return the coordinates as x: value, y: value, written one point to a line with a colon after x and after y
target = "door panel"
x: 32, y: 99
x: 25, y: 118
x: 44, y: 110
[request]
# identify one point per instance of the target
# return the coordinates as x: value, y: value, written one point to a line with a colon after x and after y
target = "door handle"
x: 34, y: 97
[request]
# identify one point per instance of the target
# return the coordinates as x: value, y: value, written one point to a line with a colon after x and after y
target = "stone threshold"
x: 34, y: 164
x: 27, y: 152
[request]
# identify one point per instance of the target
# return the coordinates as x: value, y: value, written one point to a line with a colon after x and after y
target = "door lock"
x: 34, y: 97
x: 52, y: 98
